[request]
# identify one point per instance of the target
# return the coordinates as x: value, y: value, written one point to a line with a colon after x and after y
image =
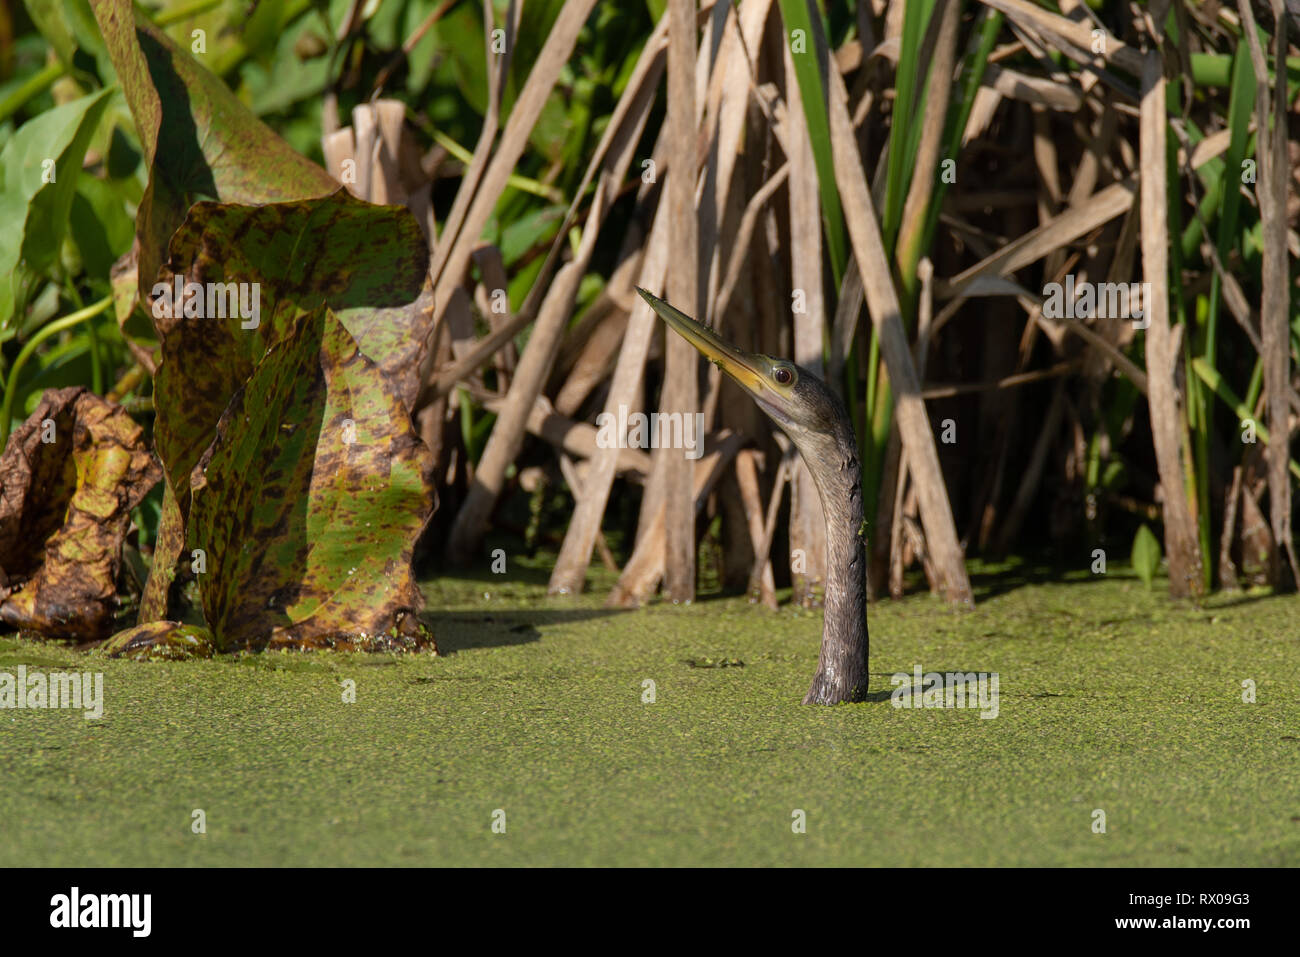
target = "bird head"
x: 794, y: 398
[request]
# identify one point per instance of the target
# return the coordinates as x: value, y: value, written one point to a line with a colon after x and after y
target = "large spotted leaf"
x: 231, y: 207
x: 200, y: 142
x: 307, y: 506
x: 366, y: 263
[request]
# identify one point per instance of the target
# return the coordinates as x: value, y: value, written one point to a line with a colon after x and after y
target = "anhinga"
x: 815, y: 419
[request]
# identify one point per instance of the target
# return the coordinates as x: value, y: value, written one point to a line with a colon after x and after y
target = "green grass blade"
x: 797, y: 16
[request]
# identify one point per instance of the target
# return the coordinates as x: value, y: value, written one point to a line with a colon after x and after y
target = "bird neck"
x: 842, y: 668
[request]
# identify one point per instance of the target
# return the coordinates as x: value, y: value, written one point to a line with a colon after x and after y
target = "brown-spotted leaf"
x: 124, y: 281
x: 255, y: 270
x: 68, y: 481
x: 199, y: 140
x: 227, y: 202
x: 309, y: 502
x: 156, y: 601
x: 161, y: 641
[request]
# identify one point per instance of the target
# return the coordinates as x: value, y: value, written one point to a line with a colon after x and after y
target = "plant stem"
x: 35, y: 84
x: 185, y: 11
x: 52, y: 329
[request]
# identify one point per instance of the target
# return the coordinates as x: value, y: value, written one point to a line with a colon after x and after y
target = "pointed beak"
x: 739, y: 365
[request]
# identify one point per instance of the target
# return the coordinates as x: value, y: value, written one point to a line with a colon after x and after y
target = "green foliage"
x: 812, y: 94
x: 1146, y: 555
x: 39, y: 170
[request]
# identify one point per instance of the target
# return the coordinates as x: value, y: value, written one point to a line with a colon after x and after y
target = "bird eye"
x: 783, y: 375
